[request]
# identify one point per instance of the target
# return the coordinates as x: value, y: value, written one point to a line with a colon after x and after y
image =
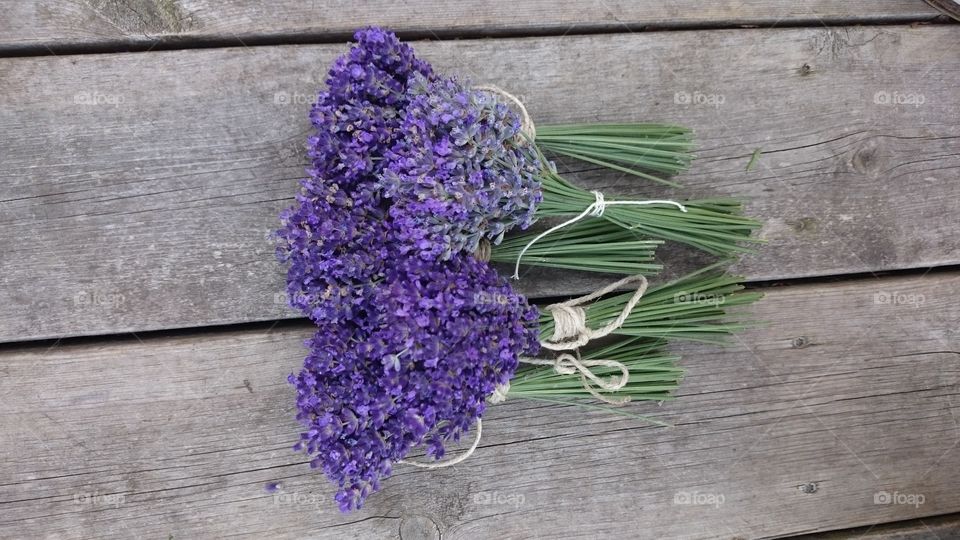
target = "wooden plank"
x: 138, y: 189
x: 933, y: 528
x: 44, y: 25
x: 795, y: 428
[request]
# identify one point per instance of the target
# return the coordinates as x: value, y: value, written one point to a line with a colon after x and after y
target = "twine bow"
x: 569, y: 364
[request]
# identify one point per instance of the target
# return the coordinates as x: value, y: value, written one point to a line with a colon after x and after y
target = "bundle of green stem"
x: 621, y: 239
x: 637, y: 149
x: 654, y: 374
x: 625, y: 239
x: 716, y: 226
x: 592, y: 246
x: 694, y: 307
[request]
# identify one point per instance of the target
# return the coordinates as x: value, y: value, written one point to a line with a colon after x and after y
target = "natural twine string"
x: 454, y: 461
x: 568, y: 364
x: 526, y: 123
x: 595, y: 209
x: 570, y: 332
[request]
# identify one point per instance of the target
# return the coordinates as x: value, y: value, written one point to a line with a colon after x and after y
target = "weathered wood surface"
x: 932, y: 528
x: 138, y: 190
x: 34, y: 25
x: 793, y: 429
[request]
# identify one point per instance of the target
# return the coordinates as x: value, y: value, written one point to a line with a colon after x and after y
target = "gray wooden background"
x: 147, y: 147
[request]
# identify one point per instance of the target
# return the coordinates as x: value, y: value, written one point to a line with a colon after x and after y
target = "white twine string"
x: 454, y: 461
x: 595, y: 209
x: 526, y: 123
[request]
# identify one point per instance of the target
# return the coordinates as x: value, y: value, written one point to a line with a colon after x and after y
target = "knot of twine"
x: 569, y: 364
x: 527, y: 128
x: 570, y: 332
x: 594, y: 209
x: 499, y: 394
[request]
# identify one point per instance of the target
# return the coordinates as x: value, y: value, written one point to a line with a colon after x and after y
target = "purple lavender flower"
x: 460, y: 173
x: 408, y: 347
x: 357, y: 118
x: 416, y: 372
x: 333, y: 238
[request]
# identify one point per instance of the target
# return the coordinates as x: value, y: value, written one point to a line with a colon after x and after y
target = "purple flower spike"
x: 409, y: 345
x: 418, y: 372
x: 461, y: 173
x: 339, y: 207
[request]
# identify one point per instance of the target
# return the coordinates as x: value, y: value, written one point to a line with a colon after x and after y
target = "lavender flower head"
x: 447, y: 333
x: 359, y: 116
x: 409, y: 346
x: 339, y: 207
x: 461, y: 173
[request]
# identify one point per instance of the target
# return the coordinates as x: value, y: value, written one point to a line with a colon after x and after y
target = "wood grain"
x: 138, y: 190
x: 932, y: 528
x: 792, y: 429
x: 45, y: 25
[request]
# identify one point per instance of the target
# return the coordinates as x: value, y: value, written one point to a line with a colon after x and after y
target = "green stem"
x: 643, y: 150
x: 590, y: 245
x: 713, y: 225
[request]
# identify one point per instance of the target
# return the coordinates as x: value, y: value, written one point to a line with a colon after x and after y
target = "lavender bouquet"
x: 417, y: 182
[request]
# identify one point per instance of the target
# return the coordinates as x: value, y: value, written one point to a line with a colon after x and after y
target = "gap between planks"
x: 46, y: 27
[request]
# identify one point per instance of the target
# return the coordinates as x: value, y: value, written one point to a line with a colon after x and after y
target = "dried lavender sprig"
x: 460, y: 173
